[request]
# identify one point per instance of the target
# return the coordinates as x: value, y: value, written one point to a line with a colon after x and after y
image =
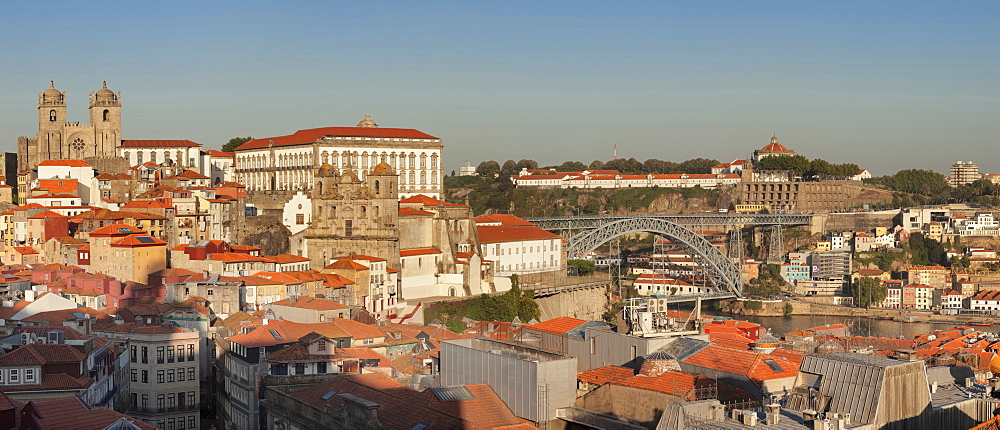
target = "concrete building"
x: 164, y: 372
x: 534, y: 384
x: 964, y: 172
x: 288, y: 162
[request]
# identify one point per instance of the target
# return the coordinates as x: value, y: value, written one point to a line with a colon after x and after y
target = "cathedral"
x: 59, y: 139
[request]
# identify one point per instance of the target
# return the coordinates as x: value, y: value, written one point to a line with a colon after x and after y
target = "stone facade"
x: 354, y: 216
x: 59, y: 139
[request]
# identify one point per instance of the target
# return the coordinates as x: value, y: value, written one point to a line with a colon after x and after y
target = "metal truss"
x: 594, y: 221
x: 720, y: 270
x: 776, y: 249
x: 735, y: 247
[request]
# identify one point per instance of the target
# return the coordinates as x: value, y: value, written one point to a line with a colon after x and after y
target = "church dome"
x: 326, y: 170
x: 52, y: 93
x: 104, y: 92
x: 383, y: 169
x: 367, y: 122
x: 995, y: 365
x: 774, y: 146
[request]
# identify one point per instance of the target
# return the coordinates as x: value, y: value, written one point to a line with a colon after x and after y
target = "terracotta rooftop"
x: 158, y: 143
x: 560, y: 325
x: 512, y: 233
x: 314, y: 303
x: 403, y: 408
x: 71, y: 413
x: 604, y: 375
x: 314, y: 134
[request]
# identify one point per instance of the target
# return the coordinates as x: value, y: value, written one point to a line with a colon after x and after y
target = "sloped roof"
x: 314, y: 134
x: 604, y: 375
x: 314, y: 303
x: 512, y: 233
x: 158, y: 143
x: 559, y: 325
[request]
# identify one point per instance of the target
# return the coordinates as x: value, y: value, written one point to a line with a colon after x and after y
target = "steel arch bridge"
x: 720, y: 270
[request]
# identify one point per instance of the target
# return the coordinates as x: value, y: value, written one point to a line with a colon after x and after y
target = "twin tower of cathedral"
x: 58, y: 139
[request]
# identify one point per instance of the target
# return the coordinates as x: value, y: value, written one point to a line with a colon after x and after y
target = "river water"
x: 859, y: 326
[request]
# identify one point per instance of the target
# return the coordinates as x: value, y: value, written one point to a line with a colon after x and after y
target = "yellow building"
x: 127, y: 253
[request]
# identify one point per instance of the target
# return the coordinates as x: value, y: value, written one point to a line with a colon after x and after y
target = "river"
x: 859, y: 326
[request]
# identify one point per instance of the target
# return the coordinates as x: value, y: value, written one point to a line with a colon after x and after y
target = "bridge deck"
x: 592, y: 221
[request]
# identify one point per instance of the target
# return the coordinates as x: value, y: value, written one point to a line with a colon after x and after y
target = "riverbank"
x: 783, y: 308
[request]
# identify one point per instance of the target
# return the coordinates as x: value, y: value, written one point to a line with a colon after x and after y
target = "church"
x: 58, y: 139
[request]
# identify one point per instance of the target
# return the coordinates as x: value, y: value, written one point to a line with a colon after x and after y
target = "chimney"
x: 749, y: 418
x: 29, y: 295
x: 934, y: 387
x: 773, y: 414
x: 718, y: 412
x: 292, y: 299
x: 970, y: 382
x: 823, y: 424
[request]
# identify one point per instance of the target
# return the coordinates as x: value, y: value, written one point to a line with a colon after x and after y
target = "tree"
x: 527, y: 164
x: 788, y: 309
x: 629, y: 166
x: 488, y: 169
x: 453, y: 173
x: 583, y: 267
x: 797, y: 164
x: 572, y: 166
x: 869, y: 291
x: 509, y: 168
x: 596, y: 165
x: 698, y: 165
x: 916, y: 181
x: 235, y: 143
x: 661, y: 167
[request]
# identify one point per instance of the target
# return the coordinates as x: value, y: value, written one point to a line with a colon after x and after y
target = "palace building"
x: 289, y: 162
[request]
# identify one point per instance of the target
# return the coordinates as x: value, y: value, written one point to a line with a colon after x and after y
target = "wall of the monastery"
x: 587, y: 304
x: 530, y: 256
x: 187, y: 157
x: 416, y: 232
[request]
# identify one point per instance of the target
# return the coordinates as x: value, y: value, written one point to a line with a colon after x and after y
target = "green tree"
x: 527, y: 164
x: 596, y: 165
x: 753, y: 305
x: 235, y: 143
x: 572, y: 166
x: 868, y: 291
x: 488, y: 168
x: 509, y: 168
x: 661, y: 167
x: 797, y: 164
x: 583, y: 267
x: 698, y: 165
x: 788, y: 309
x: 916, y: 181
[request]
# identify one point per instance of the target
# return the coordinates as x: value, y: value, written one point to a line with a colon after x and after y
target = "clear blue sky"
x: 888, y: 85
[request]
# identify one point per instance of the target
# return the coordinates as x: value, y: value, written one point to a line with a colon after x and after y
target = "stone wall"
x: 586, y: 304
x: 263, y: 231
x: 824, y: 223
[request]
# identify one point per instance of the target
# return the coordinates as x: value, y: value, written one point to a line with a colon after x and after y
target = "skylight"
x: 145, y: 239
x: 329, y: 394
x: 275, y: 334
x: 773, y: 365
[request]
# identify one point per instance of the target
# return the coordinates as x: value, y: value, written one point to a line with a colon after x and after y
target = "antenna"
x: 616, y: 151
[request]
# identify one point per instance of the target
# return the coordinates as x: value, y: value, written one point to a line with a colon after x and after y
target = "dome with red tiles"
x: 774, y: 146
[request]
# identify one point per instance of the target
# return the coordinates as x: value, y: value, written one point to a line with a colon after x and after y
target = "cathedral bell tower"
x: 106, y: 118
x: 51, y: 112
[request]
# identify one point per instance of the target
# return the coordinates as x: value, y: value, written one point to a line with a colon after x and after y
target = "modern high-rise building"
x: 964, y: 172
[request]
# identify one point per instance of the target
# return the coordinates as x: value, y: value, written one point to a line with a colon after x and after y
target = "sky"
x: 888, y: 85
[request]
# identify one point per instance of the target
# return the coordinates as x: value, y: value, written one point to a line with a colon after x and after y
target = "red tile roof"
x: 116, y: 230
x: 66, y: 163
x: 426, y: 201
x: 748, y: 363
x: 35, y: 354
x: 314, y: 303
x: 71, y: 413
x: 403, y: 408
x: 314, y: 134
x: 346, y: 264
x: 603, y: 375
x: 158, y: 143
x: 411, y: 211
x: 559, y: 325
x: 679, y: 384
x: 417, y: 251
x: 512, y: 233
